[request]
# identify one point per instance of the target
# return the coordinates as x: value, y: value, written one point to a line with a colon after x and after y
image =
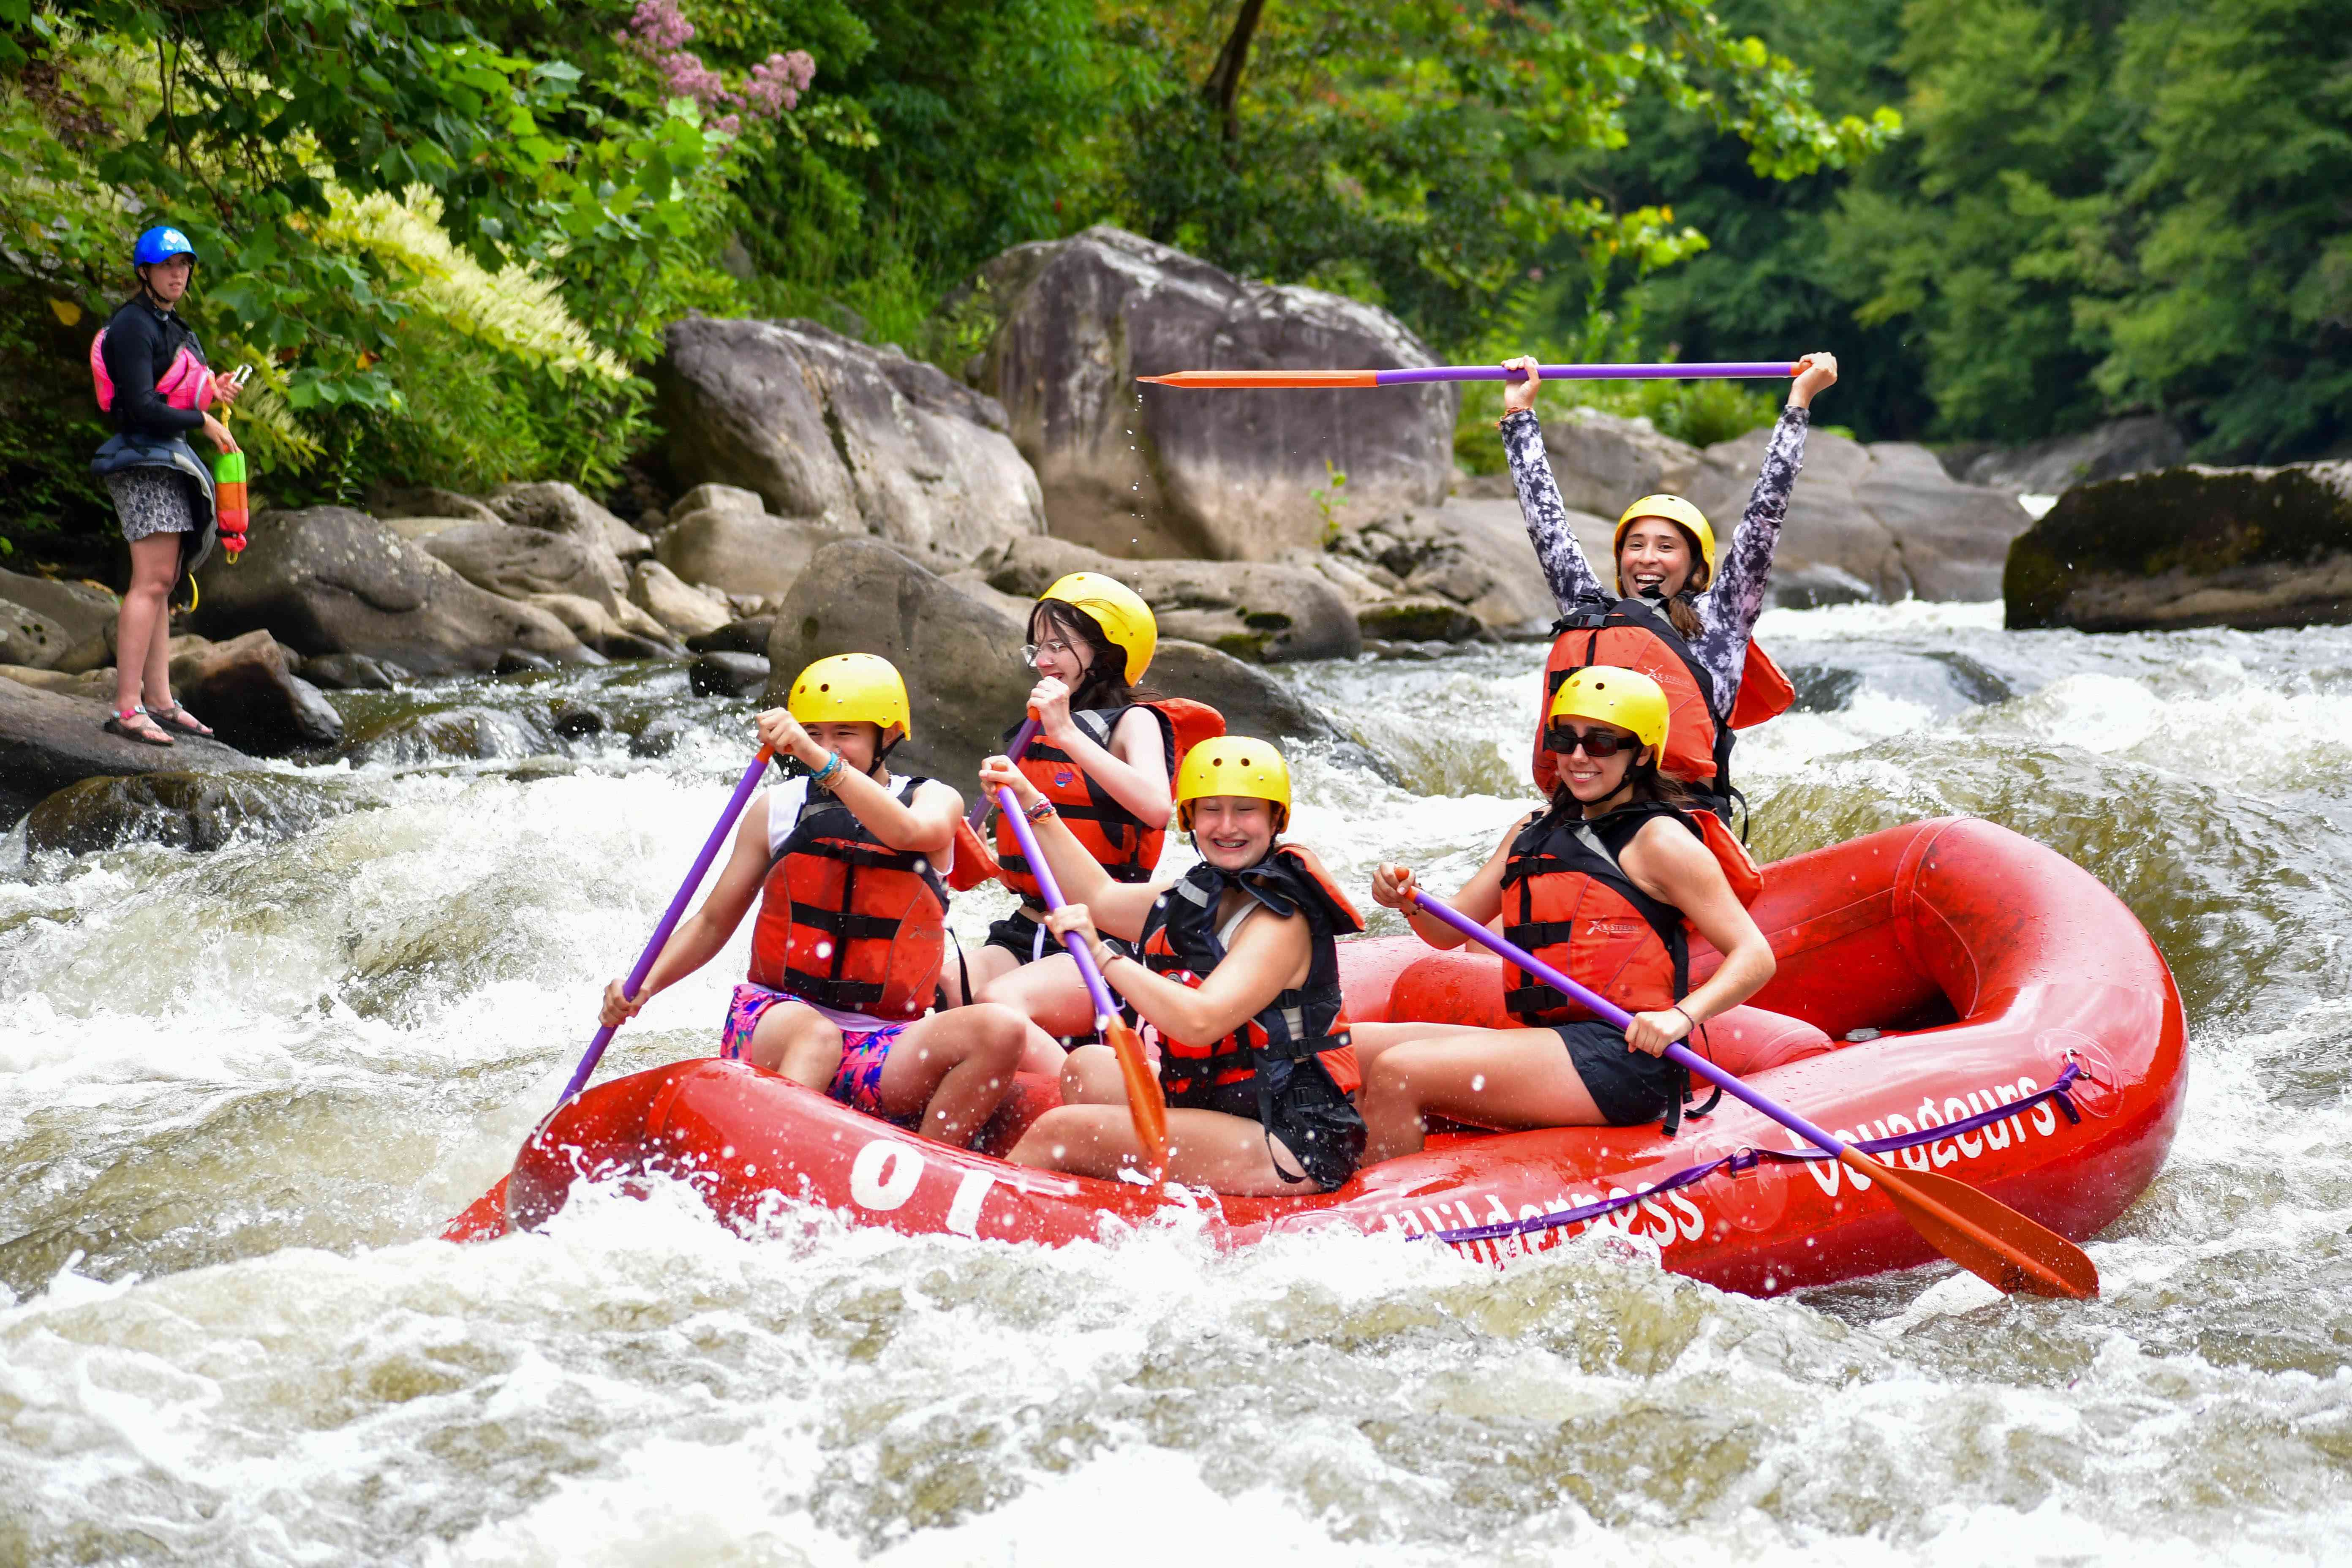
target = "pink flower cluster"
x: 659, y: 32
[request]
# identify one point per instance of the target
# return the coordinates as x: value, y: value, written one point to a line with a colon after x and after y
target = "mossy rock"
x: 2189, y: 546
x: 1419, y: 620
x: 180, y: 810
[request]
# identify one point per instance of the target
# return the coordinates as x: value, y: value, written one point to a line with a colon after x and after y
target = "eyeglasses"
x: 1597, y: 743
x: 1058, y: 648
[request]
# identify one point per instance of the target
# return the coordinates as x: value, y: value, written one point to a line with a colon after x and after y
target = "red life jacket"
x: 846, y: 922
x: 1181, y: 940
x: 1634, y: 634
x: 1127, y: 846
x: 1576, y: 908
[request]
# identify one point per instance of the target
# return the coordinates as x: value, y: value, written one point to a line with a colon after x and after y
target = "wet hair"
x: 1682, y: 610
x: 1104, y: 685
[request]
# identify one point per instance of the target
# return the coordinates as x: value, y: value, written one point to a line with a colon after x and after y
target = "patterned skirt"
x: 151, y: 501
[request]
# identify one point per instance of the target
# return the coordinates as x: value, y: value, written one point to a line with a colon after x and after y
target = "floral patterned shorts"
x: 857, y: 1083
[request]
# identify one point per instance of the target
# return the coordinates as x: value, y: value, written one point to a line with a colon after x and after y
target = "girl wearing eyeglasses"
x: 1105, y: 757
x: 1601, y: 885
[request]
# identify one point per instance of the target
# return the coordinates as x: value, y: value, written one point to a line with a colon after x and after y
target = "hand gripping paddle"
x: 1144, y: 1102
x: 1982, y: 1235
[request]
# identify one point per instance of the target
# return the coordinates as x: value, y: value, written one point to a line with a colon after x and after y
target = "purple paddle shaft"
x: 1608, y: 1012
x: 1726, y: 369
x: 670, y: 917
x: 1021, y: 738
x: 1052, y: 892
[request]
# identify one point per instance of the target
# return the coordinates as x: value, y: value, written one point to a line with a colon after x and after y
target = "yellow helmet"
x: 1234, y: 764
x: 1674, y: 508
x: 1118, y: 610
x: 852, y: 688
x: 1610, y: 695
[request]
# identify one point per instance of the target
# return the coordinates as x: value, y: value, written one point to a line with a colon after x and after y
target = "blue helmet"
x: 161, y: 244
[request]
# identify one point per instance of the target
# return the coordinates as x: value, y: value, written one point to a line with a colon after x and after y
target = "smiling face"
x: 858, y: 743
x: 1062, y: 651
x: 1655, y: 558
x: 1592, y: 779
x: 1233, y: 832
x: 167, y: 281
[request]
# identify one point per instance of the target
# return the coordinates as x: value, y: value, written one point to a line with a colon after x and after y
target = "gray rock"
x: 179, y: 810
x: 465, y: 733
x: 328, y: 580
x: 50, y: 740
x: 738, y: 551
x: 244, y: 691
x: 1254, y: 610
x: 822, y: 426
x: 558, y: 507
x: 684, y: 610
x: 1604, y: 461
x: 394, y: 502
x: 1473, y: 551
x: 1154, y: 471
x: 569, y: 573
x: 962, y: 660
x: 82, y: 610
x: 727, y: 674
x: 2191, y: 546
x: 1887, y: 514
x: 718, y: 498
x: 30, y: 638
x: 351, y: 673
x: 417, y: 529
x: 44, y: 679
x: 1419, y: 621
x: 2114, y: 450
x: 736, y: 637
x: 1814, y: 586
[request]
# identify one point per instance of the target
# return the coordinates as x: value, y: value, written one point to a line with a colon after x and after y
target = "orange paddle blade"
x: 1248, y: 378
x: 1983, y: 1234
x: 1144, y: 1102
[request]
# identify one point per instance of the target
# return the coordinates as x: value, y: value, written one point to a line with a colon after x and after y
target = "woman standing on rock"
x: 152, y: 377
x: 1104, y: 754
x: 1678, y: 616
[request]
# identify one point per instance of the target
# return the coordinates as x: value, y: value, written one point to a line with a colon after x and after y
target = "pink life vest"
x: 187, y: 383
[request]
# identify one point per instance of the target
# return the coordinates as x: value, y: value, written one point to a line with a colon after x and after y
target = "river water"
x: 240, y: 1090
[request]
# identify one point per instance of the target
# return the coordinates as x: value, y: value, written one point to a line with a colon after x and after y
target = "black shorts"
x: 1630, y: 1087
x: 1018, y: 934
x: 1314, y: 1120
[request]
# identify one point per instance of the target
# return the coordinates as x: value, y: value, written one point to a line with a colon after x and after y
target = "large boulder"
x: 81, y: 611
x: 865, y: 440
x: 962, y: 658
x: 1147, y: 471
x: 570, y: 573
x: 558, y: 507
x: 740, y: 552
x: 244, y: 689
x: 327, y: 580
x: 1887, y: 514
x: 1250, y: 609
x: 1601, y: 461
x: 2114, y: 450
x: 1472, y: 552
x: 50, y: 740
x: 687, y: 611
x: 392, y: 502
x: 2190, y: 547
x: 30, y: 638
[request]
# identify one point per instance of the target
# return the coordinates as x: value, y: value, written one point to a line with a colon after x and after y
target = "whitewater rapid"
x: 239, y: 1092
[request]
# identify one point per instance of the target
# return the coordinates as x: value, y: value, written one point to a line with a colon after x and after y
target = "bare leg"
x: 798, y: 1042
x: 1047, y: 992
x: 142, y: 630
x: 953, y: 1066
x: 1091, y: 1076
x: 1372, y: 1039
x: 1493, y: 1077
x: 1205, y: 1148
x: 987, y: 964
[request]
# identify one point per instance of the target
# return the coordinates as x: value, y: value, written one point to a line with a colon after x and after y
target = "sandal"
x: 135, y: 725
x: 174, y: 717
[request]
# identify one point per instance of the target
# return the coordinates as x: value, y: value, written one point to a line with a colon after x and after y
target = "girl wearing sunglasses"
x: 1599, y: 884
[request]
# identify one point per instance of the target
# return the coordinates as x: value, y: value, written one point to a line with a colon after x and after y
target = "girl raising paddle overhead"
x: 1677, y: 615
x: 845, y: 863
x: 1600, y: 886
x: 1239, y: 972
x: 1104, y: 752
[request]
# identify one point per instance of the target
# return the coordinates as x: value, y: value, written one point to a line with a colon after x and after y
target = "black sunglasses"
x: 1597, y: 743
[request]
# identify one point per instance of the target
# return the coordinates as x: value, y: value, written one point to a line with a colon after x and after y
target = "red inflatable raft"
x: 1995, y: 972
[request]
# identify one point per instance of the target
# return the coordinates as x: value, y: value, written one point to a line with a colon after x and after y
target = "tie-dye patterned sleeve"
x: 1565, y: 569
x: 1731, y: 606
